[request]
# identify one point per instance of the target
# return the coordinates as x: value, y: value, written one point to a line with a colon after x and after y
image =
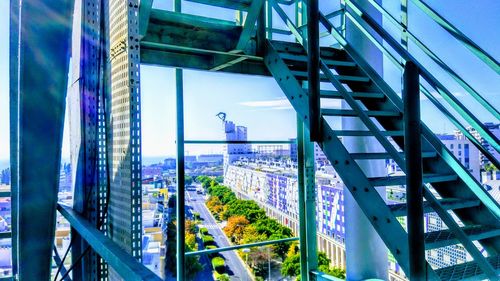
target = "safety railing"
x: 117, y: 258
x: 363, y: 21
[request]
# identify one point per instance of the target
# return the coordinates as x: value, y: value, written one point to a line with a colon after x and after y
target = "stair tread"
x: 445, y: 237
x: 329, y: 62
x: 401, y: 180
x: 328, y: 94
x: 349, y: 112
x: 332, y: 94
x: 364, y: 133
x: 467, y: 270
x: 229, y: 4
x: 400, y: 209
x: 385, y: 155
x: 302, y: 75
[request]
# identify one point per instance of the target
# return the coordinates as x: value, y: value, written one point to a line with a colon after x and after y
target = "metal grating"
x: 399, y: 210
x: 88, y: 129
x: 443, y: 238
x: 466, y: 270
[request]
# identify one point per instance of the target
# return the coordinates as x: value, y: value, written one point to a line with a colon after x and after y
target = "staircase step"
x: 401, y: 180
x: 303, y: 58
x: 229, y: 4
x: 443, y: 238
x: 385, y: 155
x: 348, y: 112
x: 400, y: 210
x: 356, y: 133
x: 467, y: 271
x: 327, y: 94
x: 297, y: 49
x: 302, y: 75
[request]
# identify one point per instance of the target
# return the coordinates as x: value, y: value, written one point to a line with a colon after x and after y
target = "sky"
x: 259, y: 104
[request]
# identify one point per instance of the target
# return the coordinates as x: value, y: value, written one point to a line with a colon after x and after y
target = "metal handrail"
x: 475, y: 186
x: 237, y: 247
x: 437, y: 60
x: 455, y: 32
x: 424, y: 90
x: 361, y: 16
x: 465, y: 175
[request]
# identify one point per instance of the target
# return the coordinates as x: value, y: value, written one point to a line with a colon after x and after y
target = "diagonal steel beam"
x: 249, y: 26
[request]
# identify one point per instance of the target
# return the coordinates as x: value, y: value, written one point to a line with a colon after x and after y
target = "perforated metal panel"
x: 125, y: 222
x: 88, y: 130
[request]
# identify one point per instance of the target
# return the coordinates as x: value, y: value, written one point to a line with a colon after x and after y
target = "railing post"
x: 180, y: 204
x: 261, y: 30
x: 180, y: 200
x: 310, y: 203
x: 413, y: 156
x: 313, y: 54
x: 302, y: 204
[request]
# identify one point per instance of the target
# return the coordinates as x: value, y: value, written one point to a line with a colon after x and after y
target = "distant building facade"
x: 495, y: 130
x: 275, y: 189
x: 464, y: 151
x: 5, y: 176
x: 235, y: 151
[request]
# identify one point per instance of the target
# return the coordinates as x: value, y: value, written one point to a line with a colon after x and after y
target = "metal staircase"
x: 475, y: 217
x: 471, y: 215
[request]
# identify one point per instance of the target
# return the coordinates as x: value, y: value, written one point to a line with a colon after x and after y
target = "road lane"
x: 234, y: 266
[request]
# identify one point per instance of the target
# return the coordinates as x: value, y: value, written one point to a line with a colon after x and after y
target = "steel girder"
x: 87, y: 127
x: 37, y: 118
x: 13, y: 111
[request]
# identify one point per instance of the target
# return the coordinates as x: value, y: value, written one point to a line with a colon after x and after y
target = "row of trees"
x: 247, y: 223
x: 291, y: 265
x: 193, y: 265
x: 207, y: 181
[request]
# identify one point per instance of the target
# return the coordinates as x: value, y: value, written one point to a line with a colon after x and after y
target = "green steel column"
x: 13, y: 107
x: 180, y: 211
x: 313, y: 69
x: 180, y: 204
x: 44, y: 43
x: 413, y: 157
x: 302, y: 207
x: 310, y: 202
x: 261, y: 31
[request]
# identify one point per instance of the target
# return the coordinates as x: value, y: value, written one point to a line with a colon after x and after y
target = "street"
x: 234, y: 266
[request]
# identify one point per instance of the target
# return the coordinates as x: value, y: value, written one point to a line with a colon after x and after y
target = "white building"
x: 235, y: 151
x: 495, y: 130
x: 464, y: 151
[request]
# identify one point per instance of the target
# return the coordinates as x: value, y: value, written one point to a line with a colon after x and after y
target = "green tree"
x: 188, y: 180
x: 219, y: 179
x: 235, y: 228
x: 193, y: 265
x: 251, y: 235
x: 280, y: 249
x: 271, y: 226
x: 291, y: 266
x: 247, y: 208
